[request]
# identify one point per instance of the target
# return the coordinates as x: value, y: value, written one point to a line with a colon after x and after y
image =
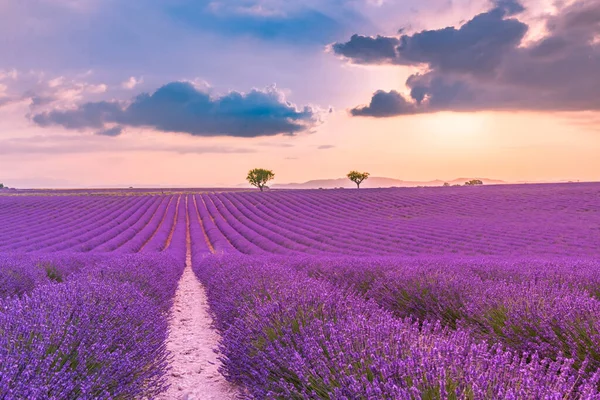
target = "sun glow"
x: 449, y: 129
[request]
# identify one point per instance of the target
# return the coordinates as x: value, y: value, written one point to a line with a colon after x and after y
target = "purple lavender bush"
x: 527, y: 306
x: 21, y: 273
x: 286, y: 335
x: 434, y: 293
x: 84, y: 339
x: 100, y: 334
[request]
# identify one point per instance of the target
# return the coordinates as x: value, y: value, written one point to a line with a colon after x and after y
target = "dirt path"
x: 194, y: 374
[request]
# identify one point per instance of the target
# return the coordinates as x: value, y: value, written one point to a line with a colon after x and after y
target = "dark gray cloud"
x: 483, y: 65
x: 511, y: 7
x: 325, y: 147
x: 475, y: 47
x: 369, y: 50
x: 114, y: 131
x: 88, y: 115
x: 385, y: 104
x: 180, y: 107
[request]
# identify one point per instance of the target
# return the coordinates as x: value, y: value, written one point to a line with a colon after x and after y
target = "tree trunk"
x: 260, y: 187
x: 357, y: 185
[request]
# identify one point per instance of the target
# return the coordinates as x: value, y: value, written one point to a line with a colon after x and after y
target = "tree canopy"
x: 474, y: 182
x: 357, y: 177
x: 259, y: 177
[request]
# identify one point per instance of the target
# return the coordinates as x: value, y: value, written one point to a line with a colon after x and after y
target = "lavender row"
x: 79, y: 220
x: 158, y: 240
x: 27, y: 210
x: 266, y: 240
x: 131, y: 228
x: 27, y: 233
x: 488, y: 221
x: 548, y: 307
x: 21, y: 273
x: 215, y: 236
x: 199, y: 241
x: 236, y: 241
x: 176, y: 245
x: 59, y: 237
x: 155, y: 274
x: 273, y: 238
x: 286, y: 335
x: 95, y: 328
x: 299, y: 234
x: 121, y: 223
x: 319, y: 230
x: 144, y: 234
x: 507, y: 221
x: 67, y: 238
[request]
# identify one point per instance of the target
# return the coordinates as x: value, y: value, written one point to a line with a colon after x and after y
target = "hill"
x: 376, y: 182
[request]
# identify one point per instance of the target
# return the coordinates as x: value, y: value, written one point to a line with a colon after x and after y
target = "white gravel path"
x: 194, y: 374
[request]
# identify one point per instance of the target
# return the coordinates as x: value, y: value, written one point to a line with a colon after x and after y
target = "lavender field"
x: 424, y: 293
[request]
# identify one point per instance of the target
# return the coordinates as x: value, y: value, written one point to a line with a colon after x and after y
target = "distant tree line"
x: 259, y: 177
x: 472, y: 182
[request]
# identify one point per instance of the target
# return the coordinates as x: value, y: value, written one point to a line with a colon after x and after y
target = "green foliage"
x: 1, y: 186
x: 474, y: 182
x: 52, y: 272
x: 446, y: 184
x: 357, y: 177
x: 259, y: 177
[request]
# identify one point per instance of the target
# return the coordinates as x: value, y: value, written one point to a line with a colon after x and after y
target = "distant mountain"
x: 376, y: 182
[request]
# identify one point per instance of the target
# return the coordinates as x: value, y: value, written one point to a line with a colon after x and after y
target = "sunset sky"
x: 195, y: 93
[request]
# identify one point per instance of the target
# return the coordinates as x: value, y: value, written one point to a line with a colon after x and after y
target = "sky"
x: 98, y: 93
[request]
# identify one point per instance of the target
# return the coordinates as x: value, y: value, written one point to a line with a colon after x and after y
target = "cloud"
x: 132, y: 82
x: 88, y: 115
x: 8, y: 74
x: 384, y: 104
x: 511, y: 7
x: 283, y: 145
x: 290, y: 22
x: 485, y: 65
x: 114, y: 131
x: 181, y: 107
x: 56, y: 145
x: 475, y: 47
x: 325, y: 147
x: 369, y: 50
x: 39, y: 90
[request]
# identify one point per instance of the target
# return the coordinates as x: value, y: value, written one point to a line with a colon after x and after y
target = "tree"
x: 1, y: 185
x: 474, y: 182
x: 446, y: 184
x: 259, y: 177
x: 357, y: 177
